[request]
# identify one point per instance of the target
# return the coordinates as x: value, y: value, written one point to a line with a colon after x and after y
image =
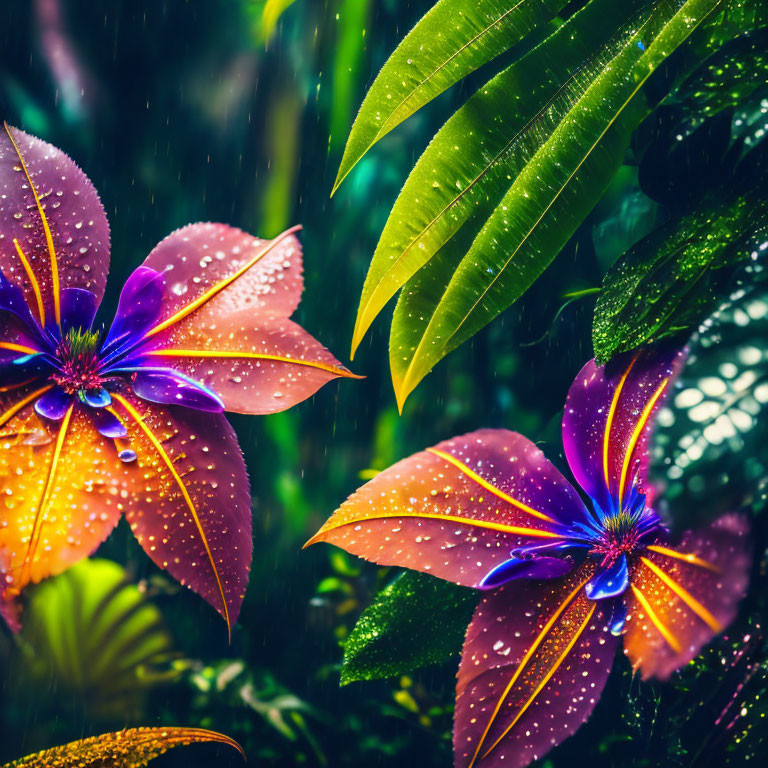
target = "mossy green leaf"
x: 417, y: 620
x: 452, y: 40
x: 670, y: 280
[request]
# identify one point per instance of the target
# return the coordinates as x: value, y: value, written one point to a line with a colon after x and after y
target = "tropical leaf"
x: 97, y: 638
x: 415, y: 621
x: 574, y: 152
x: 711, y: 446
x: 132, y: 748
x: 671, y: 279
x: 449, y: 42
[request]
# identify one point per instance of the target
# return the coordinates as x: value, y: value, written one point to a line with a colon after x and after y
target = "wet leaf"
x: 711, y: 444
x: 97, y: 639
x: 132, y: 748
x: 417, y: 620
x: 448, y: 43
x: 670, y: 280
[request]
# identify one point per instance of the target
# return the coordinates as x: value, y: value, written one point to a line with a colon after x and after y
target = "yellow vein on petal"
x: 40, y: 516
x: 529, y: 654
x: 684, y: 595
x: 206, y: 353
x: 158, y: 446
x: 33, y: 281
x: 609, y: 420
x: 221, y: 285
x: 639, y: 427
x: 545, y: 680
x: 656, y: 621
x: 686, y: 557
x: 46, y: 229
x: 488, y: 486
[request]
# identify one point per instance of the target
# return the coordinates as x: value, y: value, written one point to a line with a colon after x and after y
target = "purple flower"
x: 566, y: 582
x: 96, y: 423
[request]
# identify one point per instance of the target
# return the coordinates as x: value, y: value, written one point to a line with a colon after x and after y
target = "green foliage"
x: 415, y: 621
x: 711, y: 452
x: 96, y: 637
x: 513, y: 173
x: 671, y: 279
x: 452, y: 40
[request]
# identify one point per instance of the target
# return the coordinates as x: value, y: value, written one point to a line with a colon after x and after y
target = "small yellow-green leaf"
x: 132, y: 748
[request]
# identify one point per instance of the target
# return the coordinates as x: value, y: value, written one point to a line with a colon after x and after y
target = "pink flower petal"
x: 535, y: 660
x: 50, y: 208
x: 456, y: 510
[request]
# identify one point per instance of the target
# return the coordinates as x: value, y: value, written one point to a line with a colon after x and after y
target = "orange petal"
x: 456, y: 510
x: 254, y: 364
x: 62, y: 490
x: 680, y: 598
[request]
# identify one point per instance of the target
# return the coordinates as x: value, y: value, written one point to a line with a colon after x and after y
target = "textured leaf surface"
x: 711, y: 443
x: 415, y: 621
x: 453, y: 39
x: 571, y: 162
x: 472, y: 160
x: 132, y: 748
x: 224, y: 318
x: 534, y: 664
x: 669, y: 281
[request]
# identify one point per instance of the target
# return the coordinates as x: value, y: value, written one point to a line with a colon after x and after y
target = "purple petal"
x: 78, y: 308
x: 528, y: 568
x: 66, y: 201
x: 139, y: 307
x: 535, y: 660
x: 54, y: 404
x: 12, y: 300
x: 108, y: 424
x: 608, y: 418
x: 609, y: 582
x: 168, y: 387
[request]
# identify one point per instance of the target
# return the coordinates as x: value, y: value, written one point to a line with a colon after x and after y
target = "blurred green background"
x: 192, y: 111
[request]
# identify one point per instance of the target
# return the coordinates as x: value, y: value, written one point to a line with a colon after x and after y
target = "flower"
x: 565, y: 583
x: 94, y: 423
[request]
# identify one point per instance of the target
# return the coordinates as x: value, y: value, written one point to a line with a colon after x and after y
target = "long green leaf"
x: 415, y: 621
x: 448, y: 43
x: 469, y: 164
x: 572, y: 156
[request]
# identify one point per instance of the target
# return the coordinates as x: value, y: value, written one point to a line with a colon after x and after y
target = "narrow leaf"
x: 415, y: 621
x: 450, y: 41
x: 125, y: 749
x: 571, y: 162
x: 472, y: 160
